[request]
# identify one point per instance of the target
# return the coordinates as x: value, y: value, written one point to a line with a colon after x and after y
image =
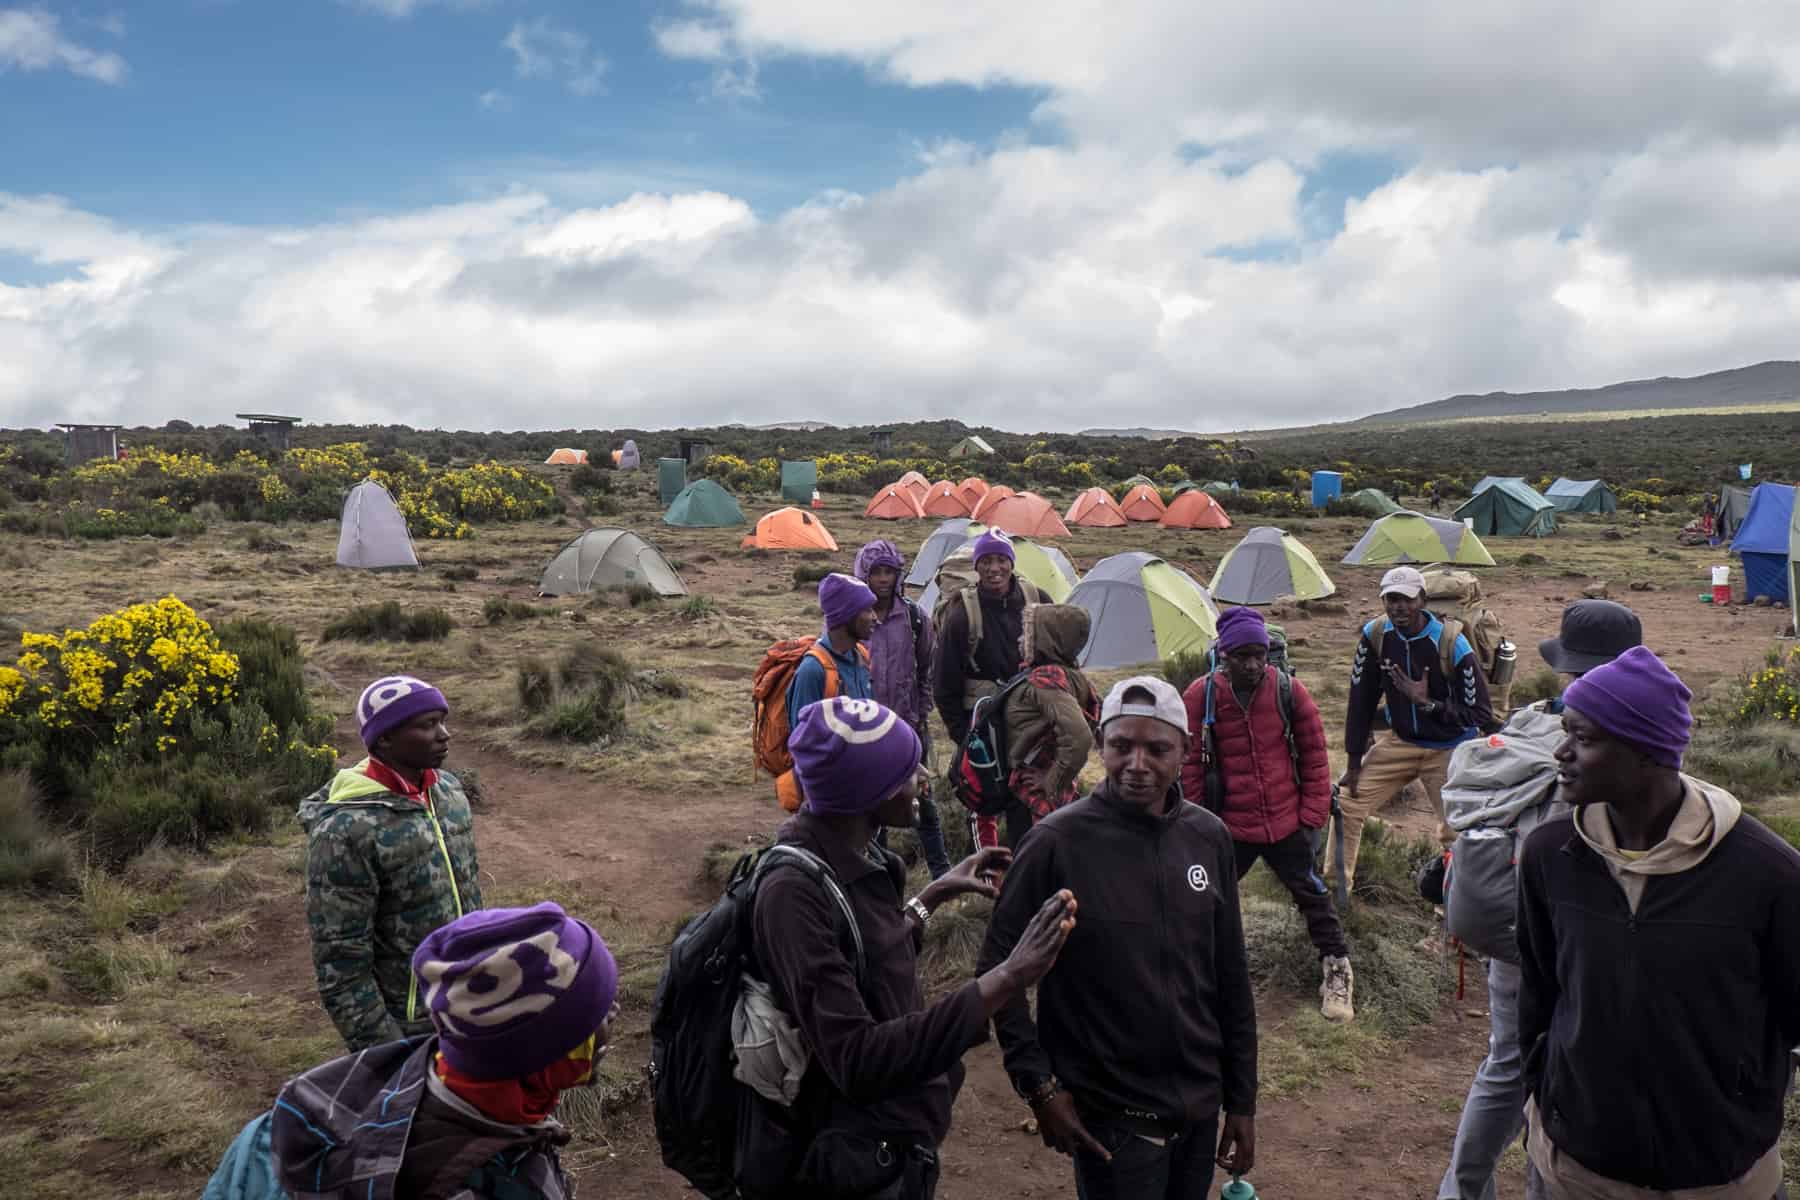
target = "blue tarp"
x: 1763, y: 541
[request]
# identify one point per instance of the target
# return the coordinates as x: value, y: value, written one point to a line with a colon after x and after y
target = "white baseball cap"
x: 1404, y: 580
x: 1165, y: 702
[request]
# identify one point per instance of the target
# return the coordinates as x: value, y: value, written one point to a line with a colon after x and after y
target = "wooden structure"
x: 884, y: 441
x: 695, y: 450
x: 84, y: 443
x: 275, y: 430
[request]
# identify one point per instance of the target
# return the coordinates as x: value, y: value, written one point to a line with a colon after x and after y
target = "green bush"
x: 32, y: 855
x: 588, y: 478
x: 1755, y: 763
x: 1182, y: 669
x: 581, y: 699
x: 698, y: 608
x: 809, y: 573
x: 388, y: 622
x: 152, y: 521
x: 459, y: 572
x: 272, y: 673
x: 499, y: 610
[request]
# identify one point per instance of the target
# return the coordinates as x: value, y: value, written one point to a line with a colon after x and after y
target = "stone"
x: 1762, y: 602
x: 1613, y: 535
x: 1595, y: 591
x: 1643, y: 585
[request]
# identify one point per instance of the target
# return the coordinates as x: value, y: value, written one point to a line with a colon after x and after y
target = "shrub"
x: 32, y: 855
x: 1542, y: 684
x: 154, y: 521
x: 388, y: 622
x: 698, y: 608
x: 591, y: 479
x: 581, y: 699
x: 1755, y: 763
x: 260, y: 539
x: 1182, y: 669
x: 1772, y: 693
x: 809, y: 573
x: 459, y: 572
x: 498, y: 611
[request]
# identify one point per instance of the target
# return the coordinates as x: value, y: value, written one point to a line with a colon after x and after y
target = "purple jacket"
x: 900, y: 664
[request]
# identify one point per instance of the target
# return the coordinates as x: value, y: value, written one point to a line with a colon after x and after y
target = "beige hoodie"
x: 1707, y: 814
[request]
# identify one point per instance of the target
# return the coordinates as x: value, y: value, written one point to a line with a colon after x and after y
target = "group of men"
x: 1642, y: 1038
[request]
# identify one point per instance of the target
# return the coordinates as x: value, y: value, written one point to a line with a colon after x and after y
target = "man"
x: 885, y: 1068
x: 1659, y: 946
x: 970, y: 667
x: 1273, y: 777
x: 1148, y: 1028
x: 900, y: 652
x: 522, y: 999
x: 849, y: 608
x: 390, y: 857
x: 1593, y: 633
x: 1399, y: 659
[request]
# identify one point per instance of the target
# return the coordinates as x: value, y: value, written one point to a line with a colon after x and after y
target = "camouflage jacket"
x: 382, y: 871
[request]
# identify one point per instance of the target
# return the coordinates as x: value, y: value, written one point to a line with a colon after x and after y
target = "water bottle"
x: 1506, y: 662
x: 1238, y: 1189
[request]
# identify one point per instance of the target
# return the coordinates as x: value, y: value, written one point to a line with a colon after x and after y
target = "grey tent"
x: 1734, y: 505
x: 936, y: 549
x: 372, y: 534
x: 1509, y: 508
x: 798, y: 481
x: 671, y: 478
x: 602, y: 558
x: 628, y: 457
x: 1582, y: 496
x: 1143, y: 610
x: 1039, y: 562
x: 1267, y: 566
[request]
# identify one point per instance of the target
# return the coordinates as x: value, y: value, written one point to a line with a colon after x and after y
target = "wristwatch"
x: 1039, y: 1091
x: 917, y: 907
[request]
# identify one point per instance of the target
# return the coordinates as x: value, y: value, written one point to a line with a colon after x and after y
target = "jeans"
x: 1292, y: 859
x: 1179, y: 1169
x: 1494, y: 1113
x: 931, y: 837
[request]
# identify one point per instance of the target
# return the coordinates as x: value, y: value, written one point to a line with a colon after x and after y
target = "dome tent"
x: 893, y: 503
x: 1095, y: 509
x: 1143, y: 503
x: 1194, y: 510
x: 989, y: 498
x: 937, y: 547
x: 972, y: 490
x: 790, y: 529
x: 1410, y: 537
x: 943, y: 500
x: 1027, y: 514
x: 703, y: 504
x: 602, y: 558
x: 372, y: 534
x: 1045, y: 566
x: 1372, y: 502
x: 1268, y: 565
x: 1143, y: 610
x: 1509, y: 508
x: 565, y: 457
x: 915, y: 483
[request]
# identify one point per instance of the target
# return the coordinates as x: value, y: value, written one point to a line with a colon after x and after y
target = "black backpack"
x: 978, y: 768
x: 695, y: 1100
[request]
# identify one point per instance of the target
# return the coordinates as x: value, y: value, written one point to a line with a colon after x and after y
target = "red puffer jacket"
x: 1262, y: 803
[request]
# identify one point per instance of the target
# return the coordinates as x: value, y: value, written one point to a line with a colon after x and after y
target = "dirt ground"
x: 617, y: 833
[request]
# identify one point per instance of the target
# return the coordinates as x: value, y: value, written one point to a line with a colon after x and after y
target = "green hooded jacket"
x: 382, y: 872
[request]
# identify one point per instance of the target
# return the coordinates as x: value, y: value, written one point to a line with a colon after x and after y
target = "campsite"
x: 597, y: 650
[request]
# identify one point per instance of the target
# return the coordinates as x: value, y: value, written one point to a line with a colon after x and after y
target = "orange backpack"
x: 768, y: 693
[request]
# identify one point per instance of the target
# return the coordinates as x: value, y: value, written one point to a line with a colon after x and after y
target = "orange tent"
x: 1195, y: 510
x: 1096, y: 509
x: 1142, y: 503
x: 893, y: 503
x: 915, y: 483
x: 566, y: 457
x: 988, y: 499
x: 972, y: 490
x: 1026, y: 514
x: 790, y: 529
x: 943, y: 500
x: 618, y: 456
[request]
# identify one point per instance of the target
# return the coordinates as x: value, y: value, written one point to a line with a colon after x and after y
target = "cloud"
x: 736, y: 75
x: 31, y: 39
x: 401, y: 9
x: 494, y: 100
x: 542, y: 51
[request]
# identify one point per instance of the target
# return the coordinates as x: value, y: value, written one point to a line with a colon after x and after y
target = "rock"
x: 1613, y: 535
x: 1559, y: 599
x: 1028, y: 1125
x: 1595, y: 591
x: 1643, y: 585
x: 1652, y: 550
x: 1762, y: 602
x: 1532, y: 560
x: 1326, y: 608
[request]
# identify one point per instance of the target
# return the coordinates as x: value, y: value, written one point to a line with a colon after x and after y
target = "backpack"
x: 979, y: 774
x: 768, y: 696
x: 957, y: 583
x: 1455, y: 596
x: 695, y: 1100
x: 1498, y: 790
x: 1214, y: 799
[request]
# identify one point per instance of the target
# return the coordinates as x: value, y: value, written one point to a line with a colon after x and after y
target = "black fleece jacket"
x: 1148, y: 1013
x: 996, y: 655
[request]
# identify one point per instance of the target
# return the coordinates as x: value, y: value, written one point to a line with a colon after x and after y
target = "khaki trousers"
x: 1387, y: 768
x: 1565, y: 1179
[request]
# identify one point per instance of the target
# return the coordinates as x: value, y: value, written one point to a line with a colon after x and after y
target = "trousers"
x: 1390, y: 765
x: 1292, y: 861
x: 1178, y: 1167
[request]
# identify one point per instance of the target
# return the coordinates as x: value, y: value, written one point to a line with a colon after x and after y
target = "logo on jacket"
x: 1197, y: 877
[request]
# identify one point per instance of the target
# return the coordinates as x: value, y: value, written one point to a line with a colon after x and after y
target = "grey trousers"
x: 1494, y: 1114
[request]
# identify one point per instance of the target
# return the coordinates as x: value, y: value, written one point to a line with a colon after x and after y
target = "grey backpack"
x: 1500, y: 787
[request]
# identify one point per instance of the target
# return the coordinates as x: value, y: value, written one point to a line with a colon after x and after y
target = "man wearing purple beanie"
x: 390, y: 857
x: 1659, y: 948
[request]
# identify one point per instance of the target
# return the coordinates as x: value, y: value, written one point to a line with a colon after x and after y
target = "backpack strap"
x: 915, y: 617
x: 1284, y: 700
x: 834, y: 684
x: 971, y: 602
x: 785, y: 854
x: 1449, y: 630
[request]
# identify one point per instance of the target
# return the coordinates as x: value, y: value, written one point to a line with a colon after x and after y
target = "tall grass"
x: 579, y: 698
x: 32, y: 854
x: 388, y: 622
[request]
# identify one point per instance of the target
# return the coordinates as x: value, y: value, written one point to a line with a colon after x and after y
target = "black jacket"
x: 996, y: 656
x: 1656, y: 1044
x: 1148, y: 1013
x: 1464, y: 708
x: 891, y: 1066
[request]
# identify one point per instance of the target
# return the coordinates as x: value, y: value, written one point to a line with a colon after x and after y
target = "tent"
x: 1326, y: 487
x: 969, y: 447
x: 1794, y: 566
x: 602, y: 558
x: 1045, y: 566
x: 1410, y: 537
x: 937, y: 547
x: 1143, y: 503
x: 1372, y: 502
x: 1267, y: 566
x: 799, y: 480
x: 1194, y: 510
x: 671, y: 477
x: 1734, y: 504
x: 565, y: 457
x: 943, y: 500
x: 1509, y: 508
x: 1764, y: 541
x: 628, y: 459
x: 893, y: 503
x: 1218, y: 489
x: 1027, y: 514
x: 1184, y: 487
x: 988, y: 499
x: 917, y: 484
x: 703, y: 504
x: 372, y: 534
x: 1488, y: 481
x: 1095, y: 509
x: 1143, y: 610
x: 790, y: 529
x: 972, y: 490
x: 1582, y: 496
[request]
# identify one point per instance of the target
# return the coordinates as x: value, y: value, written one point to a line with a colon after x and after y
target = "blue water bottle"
x: 1238, y: 1189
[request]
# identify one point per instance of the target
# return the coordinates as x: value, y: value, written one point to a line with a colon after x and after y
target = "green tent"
x: 1582, y: 496
x: 1267, y: 566
x: 1186, y: 485
x: 971, y: 447
x: 798, y: 481
x: 1218, y: 489
x: 1509, y: 508
x: 1372, y: 502
x: 1410, y: 537
x: 671, y: 477
x: 703, y: 504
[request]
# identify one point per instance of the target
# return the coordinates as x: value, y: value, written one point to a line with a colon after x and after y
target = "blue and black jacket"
x: 1461, y: 694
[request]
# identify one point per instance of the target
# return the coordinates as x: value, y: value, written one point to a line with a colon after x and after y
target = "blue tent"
x: 1763, y: 541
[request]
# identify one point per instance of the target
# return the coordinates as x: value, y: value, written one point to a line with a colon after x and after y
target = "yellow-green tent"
x: 1143, y: 610
x: 1410, y: 537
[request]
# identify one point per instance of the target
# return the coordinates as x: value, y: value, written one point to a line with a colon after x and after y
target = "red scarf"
x: 399, y: 784
x: 526, y: 1101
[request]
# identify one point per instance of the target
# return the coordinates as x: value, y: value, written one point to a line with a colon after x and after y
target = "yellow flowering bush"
x: 1773, y: 693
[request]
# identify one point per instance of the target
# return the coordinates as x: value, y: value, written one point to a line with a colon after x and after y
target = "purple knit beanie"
x: 850, y: 755
x: 392, y: 701
x: 511, y: 990
x: 842, y: 598
x: 1637, y: 699
x: 1241, y: 627
x: 995, y: 542
x: 878, y: 554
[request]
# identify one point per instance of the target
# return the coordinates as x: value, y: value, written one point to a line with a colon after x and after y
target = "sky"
x: 1054, y: 214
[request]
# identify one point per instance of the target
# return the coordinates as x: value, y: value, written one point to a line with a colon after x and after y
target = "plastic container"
x: 817, y: 501
x: 1238, y: 1189
x: 1721, y: 585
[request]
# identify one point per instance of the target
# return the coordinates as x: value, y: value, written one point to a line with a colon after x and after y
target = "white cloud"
x: 693, y: 39
x: 401, y: 9
x: 542, y: 51
x: 31, y: 39
x: 494, y: 100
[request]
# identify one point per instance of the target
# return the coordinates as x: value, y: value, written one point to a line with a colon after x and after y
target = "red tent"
x: 893, y: 503
x: 1195, y: 510
x: 943, y: 500
x: 1096, y: 509
x: 1142, y: 503
x: 1026, y: 514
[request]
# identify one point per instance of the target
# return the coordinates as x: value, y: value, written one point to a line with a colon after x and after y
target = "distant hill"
x: 798, y: 426
x: 1766, y: 383
x: 1152, y: 435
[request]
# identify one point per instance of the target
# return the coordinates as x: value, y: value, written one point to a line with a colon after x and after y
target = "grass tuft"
x: 388, y: 622
x: 498, y: 610
x: 32, y: 854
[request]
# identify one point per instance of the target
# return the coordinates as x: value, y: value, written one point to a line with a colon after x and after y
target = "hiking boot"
x: 1335, y: 991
